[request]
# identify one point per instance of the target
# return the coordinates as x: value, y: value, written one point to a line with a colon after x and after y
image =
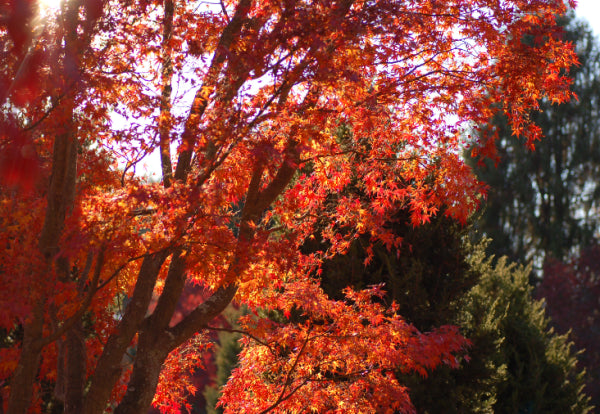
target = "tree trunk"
x: 154, y: 345
x: 75, y: 369
x: 108, y: 367
x: 21, y: 384
x: 144, y: 379
x: 61, y: 194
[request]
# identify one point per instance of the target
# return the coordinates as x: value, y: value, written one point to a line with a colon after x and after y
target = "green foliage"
x: 541, y: 203
x: 538, y: 365
x: 474, y: 386
x: 517, y: 364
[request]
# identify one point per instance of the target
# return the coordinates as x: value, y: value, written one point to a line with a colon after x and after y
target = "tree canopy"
x: 243, y: 101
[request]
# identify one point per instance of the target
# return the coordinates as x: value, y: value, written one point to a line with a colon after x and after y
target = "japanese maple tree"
x: 243, y: 101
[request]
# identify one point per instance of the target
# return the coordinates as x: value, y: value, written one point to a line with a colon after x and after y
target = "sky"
x: 590, y: 10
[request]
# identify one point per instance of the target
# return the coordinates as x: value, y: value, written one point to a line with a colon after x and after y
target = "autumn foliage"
x: 243, y: 102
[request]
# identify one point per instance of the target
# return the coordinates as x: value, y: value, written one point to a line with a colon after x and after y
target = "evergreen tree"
x: 538, y: 366
x: 544, y: 203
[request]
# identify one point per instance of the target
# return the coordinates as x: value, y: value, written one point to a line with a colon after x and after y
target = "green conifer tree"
x: 538, y: 366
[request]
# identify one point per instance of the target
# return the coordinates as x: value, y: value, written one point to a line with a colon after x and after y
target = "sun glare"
x: 48, y: 6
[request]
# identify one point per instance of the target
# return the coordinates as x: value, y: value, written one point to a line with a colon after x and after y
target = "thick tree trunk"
x: 151, y: 352
x: 154, y: 346
x: 75, y: 369
x: 144, y: 379
x: 21, y: 385
x: 156, y: 339
x: 60, y: 197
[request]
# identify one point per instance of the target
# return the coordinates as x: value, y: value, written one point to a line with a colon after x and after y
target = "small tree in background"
x: 572, y: 291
